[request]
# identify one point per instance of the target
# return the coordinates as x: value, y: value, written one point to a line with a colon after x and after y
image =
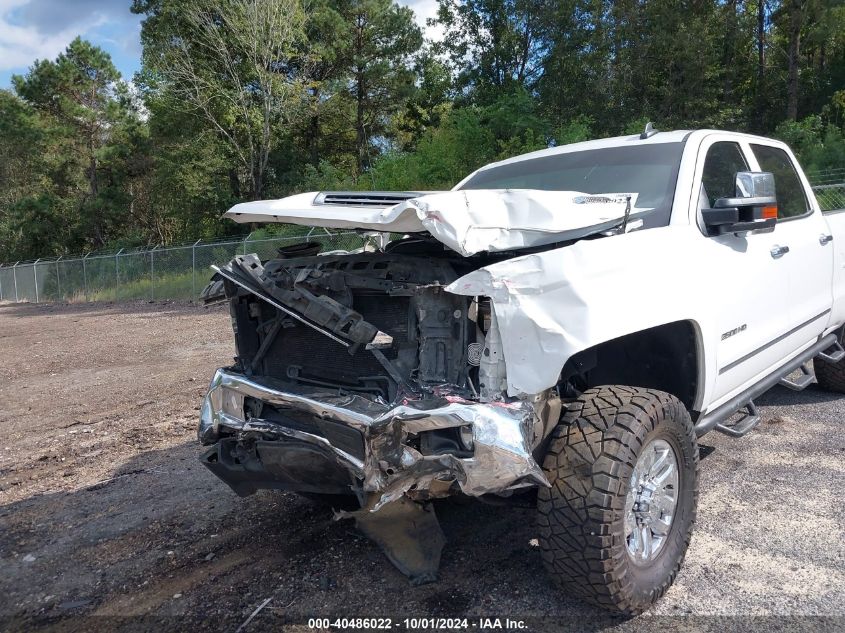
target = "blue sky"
x: 41, y: 29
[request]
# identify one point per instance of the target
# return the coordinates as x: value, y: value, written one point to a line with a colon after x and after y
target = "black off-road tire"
x: 589, y: 463
x: 830, y: 376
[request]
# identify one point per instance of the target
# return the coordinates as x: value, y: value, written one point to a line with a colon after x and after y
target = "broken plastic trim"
x: 261, y: 295
x: 380, y: 341
x: 501, y: 436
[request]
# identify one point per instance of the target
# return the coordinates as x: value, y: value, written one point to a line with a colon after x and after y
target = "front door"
x: 753, y: 274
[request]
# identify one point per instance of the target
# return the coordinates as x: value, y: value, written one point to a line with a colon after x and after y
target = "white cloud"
x: 20, y: 46
x: 41, y: 29
x: 425, y: 9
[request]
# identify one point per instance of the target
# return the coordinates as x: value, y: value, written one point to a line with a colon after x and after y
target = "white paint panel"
x: 554, y: 304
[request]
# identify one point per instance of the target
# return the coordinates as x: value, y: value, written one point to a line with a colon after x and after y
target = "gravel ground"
x: 108, y: 521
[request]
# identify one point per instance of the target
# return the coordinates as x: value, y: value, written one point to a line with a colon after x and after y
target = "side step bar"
x: 833, y: 354
x: 800, y: 383
x: 750, y: 419
x: 710, y: 420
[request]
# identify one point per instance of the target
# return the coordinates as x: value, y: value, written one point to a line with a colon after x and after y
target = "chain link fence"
x: 829, y: 187
x: 831, y: 197
x: 160, y: 273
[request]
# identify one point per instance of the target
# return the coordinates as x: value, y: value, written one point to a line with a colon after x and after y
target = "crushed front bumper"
x: 330, y: 443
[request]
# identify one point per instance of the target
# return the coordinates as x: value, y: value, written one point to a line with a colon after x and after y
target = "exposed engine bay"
x: 387, y: 302
x: 360, y: 374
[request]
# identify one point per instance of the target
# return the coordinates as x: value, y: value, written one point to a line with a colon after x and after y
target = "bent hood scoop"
x: 467, y: 221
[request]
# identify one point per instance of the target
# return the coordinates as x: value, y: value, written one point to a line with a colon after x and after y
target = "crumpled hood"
x: 467, y: 221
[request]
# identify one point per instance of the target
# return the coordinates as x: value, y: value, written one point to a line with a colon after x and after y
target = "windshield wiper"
x: 624, y: 226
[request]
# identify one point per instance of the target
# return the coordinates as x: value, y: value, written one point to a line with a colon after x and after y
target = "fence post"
x: 15, y: 275
x: 59, y: 295
x: 1, y: 284
x: 194, y: 270
x: 246, y: 239
x: 85, y: 276
x: 35, y: 276
x: 116, y: 272
x: 152, y: 273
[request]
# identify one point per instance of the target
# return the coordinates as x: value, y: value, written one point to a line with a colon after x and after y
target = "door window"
x: 792, y: 201
x: 718, y: 180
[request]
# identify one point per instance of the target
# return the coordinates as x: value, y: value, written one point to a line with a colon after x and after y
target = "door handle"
x: 779, y: 251
x: 824, y: 239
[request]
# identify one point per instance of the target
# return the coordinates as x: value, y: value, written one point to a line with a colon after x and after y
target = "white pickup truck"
x: 564, y: 323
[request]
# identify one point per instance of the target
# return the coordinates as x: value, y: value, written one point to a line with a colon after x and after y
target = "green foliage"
x: 574, y: 131
x: 224, y: 61
x: 427, y: 104
x: 505, y: 39
x: 80, y: 119
x: 326, y: 176
x: 820, y: 145
x: 170, y: 285
x: 21, y: 167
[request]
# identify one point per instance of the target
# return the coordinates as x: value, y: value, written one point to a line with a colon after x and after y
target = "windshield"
x: 647, y: 169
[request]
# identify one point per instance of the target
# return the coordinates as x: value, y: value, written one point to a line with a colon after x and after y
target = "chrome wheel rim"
x: 651, y: 501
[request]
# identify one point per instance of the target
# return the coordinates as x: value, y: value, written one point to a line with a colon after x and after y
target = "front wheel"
x: 617, y: 520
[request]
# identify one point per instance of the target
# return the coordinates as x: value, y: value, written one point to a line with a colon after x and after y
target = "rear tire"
x: 600, y: 515
x: 831, y: 376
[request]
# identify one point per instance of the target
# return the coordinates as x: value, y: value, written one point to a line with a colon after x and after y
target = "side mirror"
x: 754, y: 208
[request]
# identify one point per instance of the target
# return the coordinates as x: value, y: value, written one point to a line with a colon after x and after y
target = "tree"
x: 381, y: 39
x: 760, y: 34
x: 795, y: 10
x: 79, y: 91
x: 326, y: 56
x: 21, y: 149
x: 231, y: 63
x: 494, y: 44
x: 21, y: 168
x: 81, y: 108
x: 428, y: 104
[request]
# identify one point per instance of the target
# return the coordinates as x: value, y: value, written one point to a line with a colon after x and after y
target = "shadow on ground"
x: 162, y: 543
x: 782, y: 396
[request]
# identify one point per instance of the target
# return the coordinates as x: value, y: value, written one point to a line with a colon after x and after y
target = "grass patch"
x: 167, y: 286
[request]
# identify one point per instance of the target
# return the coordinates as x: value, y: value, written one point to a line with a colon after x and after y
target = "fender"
x: 554, y: 304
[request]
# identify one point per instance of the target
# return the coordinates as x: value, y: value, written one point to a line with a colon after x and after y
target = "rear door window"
x: 792, y: 200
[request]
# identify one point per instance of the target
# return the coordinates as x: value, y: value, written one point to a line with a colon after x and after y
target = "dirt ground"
x: 108, y: 521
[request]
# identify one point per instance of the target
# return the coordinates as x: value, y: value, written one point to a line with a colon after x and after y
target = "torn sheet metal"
x: 467, y: 221
x: 502, y: 433
x: 408, y: 533
x: 472, y: 221
x: 554, y: 304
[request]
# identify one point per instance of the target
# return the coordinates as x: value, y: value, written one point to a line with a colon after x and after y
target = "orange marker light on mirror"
x: 770, y: 212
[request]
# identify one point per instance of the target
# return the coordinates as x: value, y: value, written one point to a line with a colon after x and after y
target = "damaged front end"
x: 360, y: 374
x: 329, y: 442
